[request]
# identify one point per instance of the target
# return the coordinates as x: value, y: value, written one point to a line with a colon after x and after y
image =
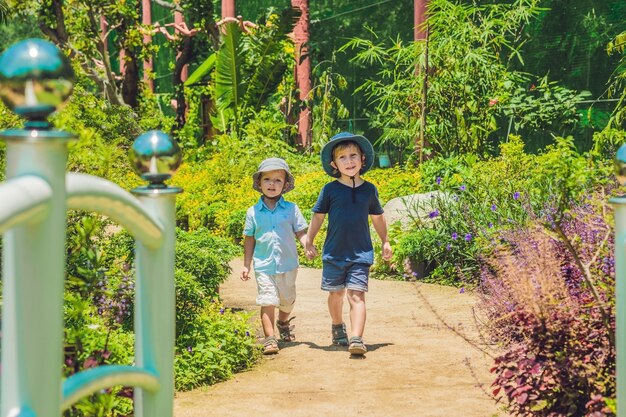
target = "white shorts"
x: 277, y: 290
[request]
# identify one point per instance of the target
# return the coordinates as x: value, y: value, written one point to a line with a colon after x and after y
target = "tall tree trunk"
x: 419, y: 17
x: 130, y: 83
x: 146, y: 19
x: 303, y: 71
x: 183, y: 56
x: 420, y: 34
x: 228, y: 8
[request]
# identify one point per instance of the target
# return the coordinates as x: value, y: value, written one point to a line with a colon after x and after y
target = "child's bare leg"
x: 282, y: 316
x: 358, y: 312
x: 335, y: 306
x: 267, y: 320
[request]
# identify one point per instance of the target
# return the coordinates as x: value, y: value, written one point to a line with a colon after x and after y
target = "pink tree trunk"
x: 146, y: 19
x: 421, y: 35
x: 228, y: 8
x: 184, y: 73
x: 419, y: 17
x: 303, y: 71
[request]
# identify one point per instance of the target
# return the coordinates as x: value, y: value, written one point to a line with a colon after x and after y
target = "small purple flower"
x: 448, y: 246
x: 414, y: 273
x: 516, y: 195
x: 189, y: 349
x: 247, y: 334
x: 462, y: 290
x: 454, y: 236
x: 462, y: 187
x: 222, y: 310
x: 438, y: 180
x: 490, y: 225
x: 433, y: 214
x: 468, y: 237
x: 494, y: 207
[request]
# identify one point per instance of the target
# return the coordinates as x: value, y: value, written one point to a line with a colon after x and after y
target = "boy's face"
x: 272, y: 183
x: 348, y: 160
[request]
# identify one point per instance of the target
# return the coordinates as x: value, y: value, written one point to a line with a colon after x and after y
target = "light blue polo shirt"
x: 274, y: 232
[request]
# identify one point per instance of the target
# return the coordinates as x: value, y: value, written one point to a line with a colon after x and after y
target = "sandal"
x: 284, y: 330
x: 270, y: 346
x: 340, y: 337
x: 357, y: 347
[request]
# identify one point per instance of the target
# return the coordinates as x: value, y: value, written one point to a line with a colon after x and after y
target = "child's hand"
x: 387, y: 251
x: 245, y: 273
x: 310, y: 251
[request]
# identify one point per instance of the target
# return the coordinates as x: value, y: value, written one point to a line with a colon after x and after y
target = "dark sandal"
x: 284, y: 330
x: 270, y: 346
x: 357, y: 347
x: 340, y: 337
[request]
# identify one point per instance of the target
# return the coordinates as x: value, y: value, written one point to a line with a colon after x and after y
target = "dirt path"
x: 415, y: 366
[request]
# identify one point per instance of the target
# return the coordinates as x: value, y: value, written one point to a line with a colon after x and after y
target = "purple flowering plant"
x: 550, y: 305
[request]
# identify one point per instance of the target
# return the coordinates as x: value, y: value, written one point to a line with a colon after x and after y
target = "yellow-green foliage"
x: 395, y: 182
x: 202, y: 188
x: 307, y: 189
x: 218, y: 202
x: 509, y: 171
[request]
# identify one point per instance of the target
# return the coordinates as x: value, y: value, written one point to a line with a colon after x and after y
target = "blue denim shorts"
x: 337, y: 275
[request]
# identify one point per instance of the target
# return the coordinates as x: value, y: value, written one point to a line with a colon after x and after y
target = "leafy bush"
x: 477, y: 198
x: 205, y: 257
x: 191, y: 298
x: 99, y: 306
x: 218, y: 344
x: 90, y: 341
x: 394, y: 182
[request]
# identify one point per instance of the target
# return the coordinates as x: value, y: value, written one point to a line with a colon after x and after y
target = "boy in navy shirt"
x: 348, y: 252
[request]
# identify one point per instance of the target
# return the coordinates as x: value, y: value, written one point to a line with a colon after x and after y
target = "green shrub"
x: 91, y: 342
x: 236, y: 222
x: 485, y: 196
x: 395, y: 182
x: 205, y: 257
x: 191, y: 298
x: 219, y: 344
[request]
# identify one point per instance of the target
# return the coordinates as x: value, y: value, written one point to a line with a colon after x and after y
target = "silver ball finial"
x: 36, y: 79
x: 620, y: 165
x: 155, y: 157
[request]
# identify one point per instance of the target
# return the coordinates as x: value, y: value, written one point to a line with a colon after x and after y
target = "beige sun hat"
x: 273, y: 164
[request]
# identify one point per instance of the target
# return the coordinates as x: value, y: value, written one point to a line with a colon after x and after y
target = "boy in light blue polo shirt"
x: 270, y: 231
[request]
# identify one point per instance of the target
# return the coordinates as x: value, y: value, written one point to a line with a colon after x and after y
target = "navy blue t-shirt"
x: 348, y: 237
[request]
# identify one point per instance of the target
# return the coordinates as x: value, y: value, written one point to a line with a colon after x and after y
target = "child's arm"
x: 314, y: 227
x: 302, y: 237
x: 380, y: 225
x: 248, y: 250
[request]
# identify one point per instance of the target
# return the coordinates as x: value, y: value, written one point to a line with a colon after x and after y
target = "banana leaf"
x: 202, y: 70
x: 229, y: 85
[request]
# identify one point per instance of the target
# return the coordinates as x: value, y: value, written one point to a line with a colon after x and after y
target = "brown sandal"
x: 284, y: 330
x: 270, y: 346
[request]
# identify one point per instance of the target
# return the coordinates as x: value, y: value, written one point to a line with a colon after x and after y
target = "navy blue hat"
x: 364, y: 144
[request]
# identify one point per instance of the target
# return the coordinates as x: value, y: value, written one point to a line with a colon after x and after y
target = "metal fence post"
x: 154, y: 156
x: 36, y: 79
